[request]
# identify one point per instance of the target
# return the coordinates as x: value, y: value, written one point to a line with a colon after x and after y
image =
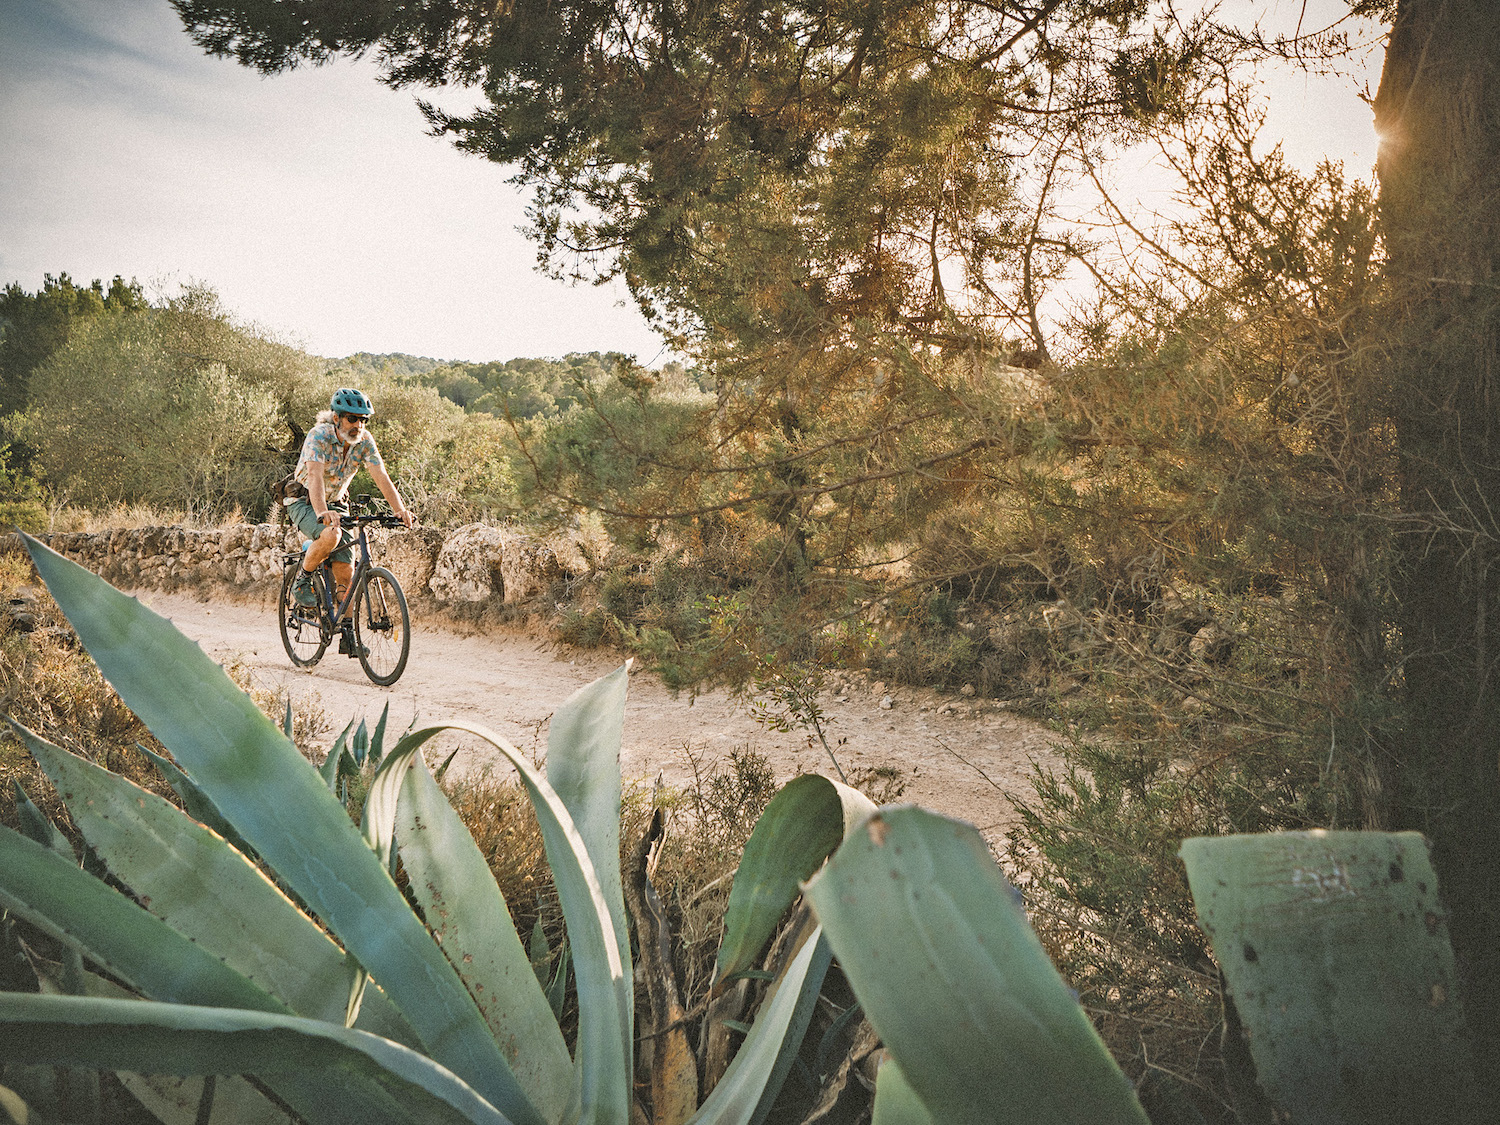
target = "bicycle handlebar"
x: 363, y: 511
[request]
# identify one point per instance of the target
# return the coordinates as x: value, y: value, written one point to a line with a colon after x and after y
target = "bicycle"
x: 380, y: 635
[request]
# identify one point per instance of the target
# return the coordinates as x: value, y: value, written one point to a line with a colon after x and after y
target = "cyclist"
x: 332, y: 453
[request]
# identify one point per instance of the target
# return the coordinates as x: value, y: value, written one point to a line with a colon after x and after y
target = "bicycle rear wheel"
x: 302, y: 631
x: 382, y: 627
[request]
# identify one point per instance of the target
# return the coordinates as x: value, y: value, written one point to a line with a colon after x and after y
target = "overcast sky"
x: 314, y: 202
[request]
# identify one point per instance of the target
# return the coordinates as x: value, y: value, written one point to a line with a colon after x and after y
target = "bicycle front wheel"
x: 302, y: 632
x: 382, y: 627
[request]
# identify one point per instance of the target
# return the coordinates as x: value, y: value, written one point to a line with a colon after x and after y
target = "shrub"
x: 116, y: 415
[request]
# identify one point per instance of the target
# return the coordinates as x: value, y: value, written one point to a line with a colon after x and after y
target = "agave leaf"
x: 198, y: 806
x: 937, y: 949
x: 601, y: 1056
x: 273, y: 796
x: 176, y: 1101
x: 14, y: 1106
x: 539, y: 952
x: 333, y: 763
x: 196, y: 883
x: 583, y: 767
x: 179, y: 1101
x: 754, y: 1078
x: 378, y: 824
x: 798, y: 830
x: 206, y: 890
x: 327, y: 1073
x: 56, y: 896
x: 377, y: 740
x: 360, y: 745
x: 896, y: 1103
x: 830, y: 1047
x: 557, y: 987
x: 36, y: 826
x: 465, y: 909
x: 1335, y: 947
x: 807, y: 990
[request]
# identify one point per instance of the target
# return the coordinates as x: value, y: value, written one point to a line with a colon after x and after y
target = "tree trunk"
x: 1438, y: 114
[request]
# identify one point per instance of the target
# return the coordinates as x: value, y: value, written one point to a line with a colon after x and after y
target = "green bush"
x: 121, y: 414
x: 21, y: 504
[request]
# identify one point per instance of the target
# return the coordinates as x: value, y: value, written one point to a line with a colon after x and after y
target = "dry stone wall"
x: 477, y: 562
x: 470, y: 565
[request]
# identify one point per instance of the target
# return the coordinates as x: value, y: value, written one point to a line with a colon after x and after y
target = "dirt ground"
x: 954, y: 755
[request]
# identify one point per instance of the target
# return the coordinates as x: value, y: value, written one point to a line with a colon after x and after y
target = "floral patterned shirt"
x: 339, y: 462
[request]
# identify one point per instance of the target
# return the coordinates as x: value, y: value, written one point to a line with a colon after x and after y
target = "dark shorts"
x: 305, y: 520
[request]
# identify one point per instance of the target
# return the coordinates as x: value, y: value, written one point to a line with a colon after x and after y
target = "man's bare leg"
x: 320, y: 549
x: 343, y: 573
x: 318, y: 553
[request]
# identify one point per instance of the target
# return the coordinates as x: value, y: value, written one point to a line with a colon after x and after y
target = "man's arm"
x: 392, y: 495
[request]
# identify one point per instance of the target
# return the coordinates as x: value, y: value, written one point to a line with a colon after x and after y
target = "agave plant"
x: 337, y: 1001
x: 1335, y: 948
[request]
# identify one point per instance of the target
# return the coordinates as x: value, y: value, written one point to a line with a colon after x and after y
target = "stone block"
x: 468, y: 567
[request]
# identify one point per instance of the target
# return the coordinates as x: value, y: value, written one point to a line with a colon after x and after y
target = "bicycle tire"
x: 304, y: 633
x: 382, y: 627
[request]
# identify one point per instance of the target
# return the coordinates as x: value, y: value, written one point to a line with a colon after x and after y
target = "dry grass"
x: 67, y: 518
x: 50, y: 686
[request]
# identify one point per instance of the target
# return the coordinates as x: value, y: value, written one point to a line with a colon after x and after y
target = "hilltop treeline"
x: 518, y: 388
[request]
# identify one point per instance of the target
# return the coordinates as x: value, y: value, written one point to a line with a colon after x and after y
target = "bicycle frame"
x: 333, y: 612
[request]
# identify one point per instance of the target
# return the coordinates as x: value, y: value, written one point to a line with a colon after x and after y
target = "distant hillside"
x: 395, y: 364
x: 524, y: 387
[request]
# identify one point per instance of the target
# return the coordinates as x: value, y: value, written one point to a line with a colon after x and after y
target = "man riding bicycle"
x: 332, y: 453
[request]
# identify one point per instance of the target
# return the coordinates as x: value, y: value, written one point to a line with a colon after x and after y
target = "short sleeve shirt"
x: 338, y: 462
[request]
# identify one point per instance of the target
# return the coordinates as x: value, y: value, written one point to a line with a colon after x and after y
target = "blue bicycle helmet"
x: 347, y: 400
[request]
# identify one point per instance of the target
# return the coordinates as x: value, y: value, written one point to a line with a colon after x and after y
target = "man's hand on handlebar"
x: 330, y: 517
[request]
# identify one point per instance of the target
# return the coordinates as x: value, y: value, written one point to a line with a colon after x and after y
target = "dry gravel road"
x: 955, y: 756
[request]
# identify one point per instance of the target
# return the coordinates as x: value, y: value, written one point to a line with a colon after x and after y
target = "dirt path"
x: 954, y: 756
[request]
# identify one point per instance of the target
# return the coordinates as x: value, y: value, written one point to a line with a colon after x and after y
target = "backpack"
x: 287, y: 489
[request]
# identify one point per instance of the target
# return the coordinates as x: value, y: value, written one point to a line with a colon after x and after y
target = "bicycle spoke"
x: 382, y: 627
x: 302, y: 632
